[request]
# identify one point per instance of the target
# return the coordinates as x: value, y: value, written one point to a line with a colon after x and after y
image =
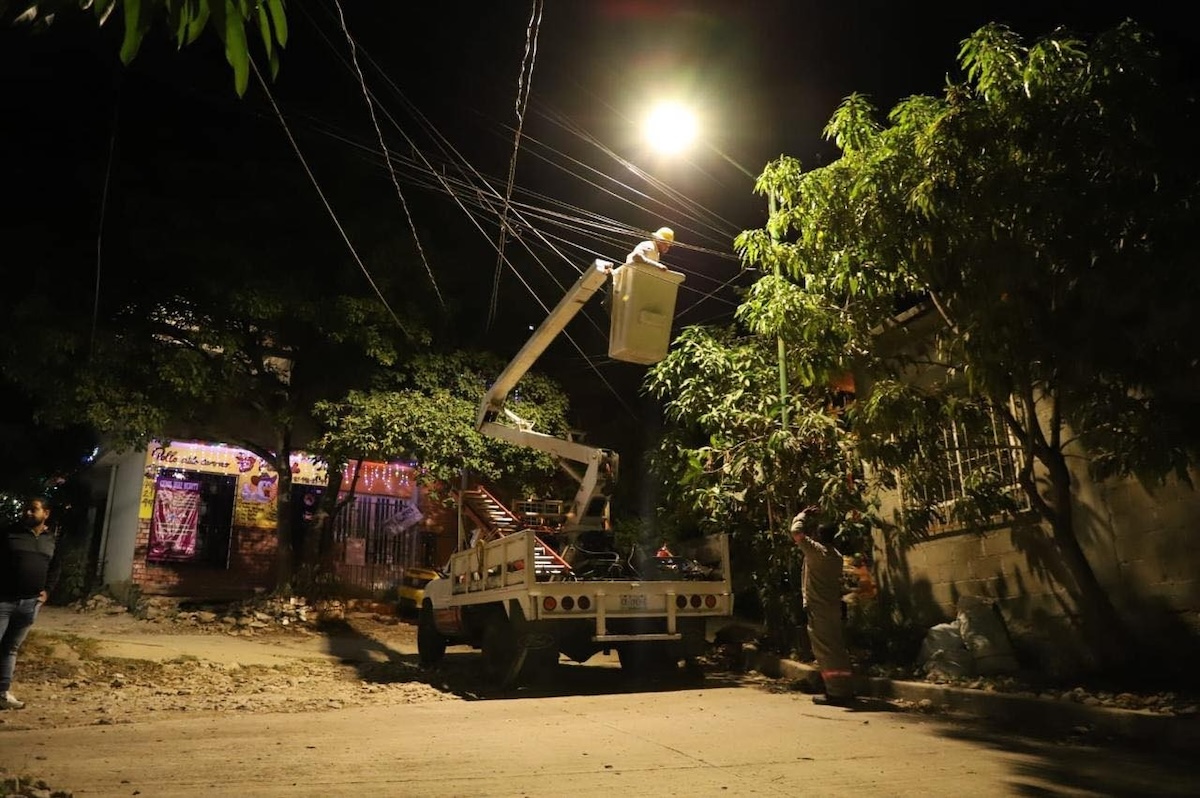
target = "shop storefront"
x: 206, y: 520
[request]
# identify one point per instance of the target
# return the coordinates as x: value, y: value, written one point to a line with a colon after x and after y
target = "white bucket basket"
x: 643, y: 308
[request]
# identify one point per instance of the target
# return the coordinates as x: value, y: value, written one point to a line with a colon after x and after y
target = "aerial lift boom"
x: 643, y: 306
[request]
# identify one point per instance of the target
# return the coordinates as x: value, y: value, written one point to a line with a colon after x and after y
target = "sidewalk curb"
x: 1045, y: 715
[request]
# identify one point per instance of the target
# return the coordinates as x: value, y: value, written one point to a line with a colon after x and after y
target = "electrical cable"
x: 375, y: 123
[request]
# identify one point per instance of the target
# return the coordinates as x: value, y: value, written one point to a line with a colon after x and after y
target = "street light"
x: 671, y: 128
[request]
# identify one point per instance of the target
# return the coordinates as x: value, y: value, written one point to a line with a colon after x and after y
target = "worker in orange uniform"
x: 821, y: 586
x: 664, y: 552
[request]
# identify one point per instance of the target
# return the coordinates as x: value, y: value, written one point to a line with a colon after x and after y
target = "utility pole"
x: 783, y: 380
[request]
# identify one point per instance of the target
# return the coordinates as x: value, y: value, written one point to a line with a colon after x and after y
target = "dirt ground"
x: 108, y: 667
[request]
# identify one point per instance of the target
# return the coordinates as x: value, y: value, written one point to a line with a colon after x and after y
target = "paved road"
x: 594, y: 733
x: 709, y: 740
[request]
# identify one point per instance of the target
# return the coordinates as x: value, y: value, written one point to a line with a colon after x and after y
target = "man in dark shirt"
x: 29, y: 570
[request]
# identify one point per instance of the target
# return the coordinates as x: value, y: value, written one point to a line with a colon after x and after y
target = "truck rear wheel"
x: 647, y: 659
x: 541, y: 665
x: 503, y: 656
x: 431, y: 645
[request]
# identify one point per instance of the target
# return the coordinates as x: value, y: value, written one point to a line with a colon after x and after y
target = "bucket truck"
x: 525, y: 600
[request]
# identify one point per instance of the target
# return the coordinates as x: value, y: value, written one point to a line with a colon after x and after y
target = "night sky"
x: 174, y: 153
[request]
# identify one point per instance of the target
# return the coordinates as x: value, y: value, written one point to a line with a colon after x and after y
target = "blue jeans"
x: 16, y: 619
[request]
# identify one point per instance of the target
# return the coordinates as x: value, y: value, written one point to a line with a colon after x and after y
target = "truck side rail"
x: 513, y: 561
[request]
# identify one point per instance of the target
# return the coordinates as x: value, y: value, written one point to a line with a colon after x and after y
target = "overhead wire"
x: 103, y: 214
x: 693, y: 208
x: 432, y: 129
x: 623, y: 229
x: 472, y: 189
x: 522, y: 101
x: 383, y: 145
x: 324, y: 200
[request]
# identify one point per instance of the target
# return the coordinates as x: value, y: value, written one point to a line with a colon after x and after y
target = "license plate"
x: 633, y: 602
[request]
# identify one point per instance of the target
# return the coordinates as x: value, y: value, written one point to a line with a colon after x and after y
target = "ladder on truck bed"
x: 495, y: 521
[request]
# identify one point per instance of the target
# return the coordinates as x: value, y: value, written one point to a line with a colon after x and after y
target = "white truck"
x: 526, y: 597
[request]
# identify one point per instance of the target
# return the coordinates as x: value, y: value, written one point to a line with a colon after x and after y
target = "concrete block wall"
x: 1156, y: 551
x: 1143, y: 544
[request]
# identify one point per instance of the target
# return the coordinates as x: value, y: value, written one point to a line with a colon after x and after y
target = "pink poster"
x: 173, y: 525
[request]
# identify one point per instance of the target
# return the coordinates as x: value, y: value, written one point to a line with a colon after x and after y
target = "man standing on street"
x: 29, y: 570
x: 822, y: 592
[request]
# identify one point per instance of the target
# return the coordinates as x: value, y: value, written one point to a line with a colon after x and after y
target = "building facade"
x: 197, y: 518
x: 1140, y: 539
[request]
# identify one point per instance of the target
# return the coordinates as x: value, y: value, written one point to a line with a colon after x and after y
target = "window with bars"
x: 977, y: 445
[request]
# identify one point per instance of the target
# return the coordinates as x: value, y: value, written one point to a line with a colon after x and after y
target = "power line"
x: 522, y: 100
x: 379, y: 133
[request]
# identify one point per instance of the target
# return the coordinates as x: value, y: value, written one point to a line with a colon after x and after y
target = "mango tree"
x: 234, y: 22
x: 1044, y: 208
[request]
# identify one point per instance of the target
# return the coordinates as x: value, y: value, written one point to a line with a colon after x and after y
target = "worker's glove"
x: 804, y: 519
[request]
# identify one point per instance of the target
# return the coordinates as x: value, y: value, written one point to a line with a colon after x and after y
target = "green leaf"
x: 180, y: 19
x: 264, y: 30
x: 237, y: 50
x: 198, y: 21
x: 134, y: 31
x: 280, y: 19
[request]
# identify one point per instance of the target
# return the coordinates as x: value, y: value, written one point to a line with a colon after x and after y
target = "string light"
x: 394, y: 478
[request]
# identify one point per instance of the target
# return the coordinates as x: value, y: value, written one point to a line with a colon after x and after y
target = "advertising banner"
x: 173, y: 525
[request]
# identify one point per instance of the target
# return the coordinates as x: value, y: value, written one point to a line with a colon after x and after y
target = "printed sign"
x: 173, y: 525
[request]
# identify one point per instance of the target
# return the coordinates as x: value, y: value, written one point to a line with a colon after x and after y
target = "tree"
x: 426, y: 408
x: 227, y: 323
x: 1045, y: 208
x: 234, y: 22
x: 727, y: 458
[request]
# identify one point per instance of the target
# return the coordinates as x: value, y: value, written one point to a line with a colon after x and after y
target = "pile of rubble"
x: 244, y: 617
x: 1162, y: 702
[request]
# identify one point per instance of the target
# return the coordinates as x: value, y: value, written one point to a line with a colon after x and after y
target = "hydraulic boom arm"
x: 547, y: 331
x: 600, y: 464
x: 643, y: 306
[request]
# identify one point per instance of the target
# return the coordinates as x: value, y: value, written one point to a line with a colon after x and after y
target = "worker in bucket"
x: 821, y: 586
x: 650, y: 251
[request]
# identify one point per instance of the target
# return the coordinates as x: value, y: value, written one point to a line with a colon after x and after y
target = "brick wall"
x: 251, y: 566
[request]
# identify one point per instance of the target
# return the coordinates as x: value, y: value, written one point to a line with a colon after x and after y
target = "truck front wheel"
x: 431, y: 645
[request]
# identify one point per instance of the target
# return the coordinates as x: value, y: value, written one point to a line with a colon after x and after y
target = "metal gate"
x: 375, y: 550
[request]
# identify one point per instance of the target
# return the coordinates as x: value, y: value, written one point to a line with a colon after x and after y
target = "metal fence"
x: 375, y: 551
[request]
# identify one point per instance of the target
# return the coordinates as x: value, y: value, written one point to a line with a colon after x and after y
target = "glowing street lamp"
x: 672, y: 128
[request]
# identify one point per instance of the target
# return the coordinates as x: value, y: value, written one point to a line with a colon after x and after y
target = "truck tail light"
x: 549, y: 603
x: 585, y: 603
x: 695, y: 601
x: 568, y: 603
